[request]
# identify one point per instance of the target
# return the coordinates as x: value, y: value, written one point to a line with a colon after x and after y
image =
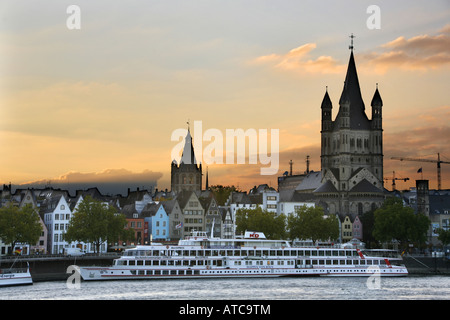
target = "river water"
x: 322, y: 288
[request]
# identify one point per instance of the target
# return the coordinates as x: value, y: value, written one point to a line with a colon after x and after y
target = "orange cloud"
x: 423, y: 52
x: 297, y: 60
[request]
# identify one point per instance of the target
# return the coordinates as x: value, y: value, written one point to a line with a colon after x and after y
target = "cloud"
x: 109, y: 181
x: 423, y: 52
x: 298, y: 60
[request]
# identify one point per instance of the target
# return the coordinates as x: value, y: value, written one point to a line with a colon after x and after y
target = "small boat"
x: 200, y: 256
x: 15, y: 276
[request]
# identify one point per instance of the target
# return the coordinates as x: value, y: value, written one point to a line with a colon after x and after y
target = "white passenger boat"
x: 200, y: 256
x: 15, y: 277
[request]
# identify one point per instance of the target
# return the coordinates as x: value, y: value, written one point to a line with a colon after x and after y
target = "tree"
x: 367, y: 220
x: 222, y: 193
x: 310, y: 223
x: 394, y: 221
x: 444, y: 236
x: 273, y: 226
x: 19, y: 225
x: 96, y: 222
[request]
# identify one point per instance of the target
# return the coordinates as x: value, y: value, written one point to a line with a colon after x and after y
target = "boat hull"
x: 112, y: 273
x: 15, y: 279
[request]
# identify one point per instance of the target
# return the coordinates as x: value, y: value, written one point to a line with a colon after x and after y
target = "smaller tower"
x: 377, y: 105
x: 326, y: 107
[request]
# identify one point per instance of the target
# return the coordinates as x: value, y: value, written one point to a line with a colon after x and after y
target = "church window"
x: 360, y: 208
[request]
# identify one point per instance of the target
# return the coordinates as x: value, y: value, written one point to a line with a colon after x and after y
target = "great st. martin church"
x: 351, y: 151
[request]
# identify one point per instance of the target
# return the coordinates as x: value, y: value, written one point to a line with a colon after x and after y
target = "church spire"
x: 351, y: 96
x: 188, y: 156
x: 351, y: 42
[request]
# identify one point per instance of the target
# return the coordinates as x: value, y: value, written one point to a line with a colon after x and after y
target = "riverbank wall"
x: 57, y: 268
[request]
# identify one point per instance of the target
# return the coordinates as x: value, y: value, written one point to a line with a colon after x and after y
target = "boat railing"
x: 13, y: 270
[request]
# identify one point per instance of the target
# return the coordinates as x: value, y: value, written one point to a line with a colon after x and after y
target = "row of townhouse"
x: 161, y: 216
x: 170, y: 218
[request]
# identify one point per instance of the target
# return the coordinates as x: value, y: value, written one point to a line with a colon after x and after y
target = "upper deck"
x: 250, y: 239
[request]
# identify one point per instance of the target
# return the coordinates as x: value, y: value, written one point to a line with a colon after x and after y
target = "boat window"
x: 308, y: 253
x: 321, y: 253
x: 131, y: 263
x: 140, y: 262
x: 148, y: 262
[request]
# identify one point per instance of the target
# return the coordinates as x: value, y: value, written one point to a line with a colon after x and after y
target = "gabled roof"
x: 326, y: 187
x: 184, y: 196
x: 365, y: 186
x: 151, y: 209
x: 169, y: 205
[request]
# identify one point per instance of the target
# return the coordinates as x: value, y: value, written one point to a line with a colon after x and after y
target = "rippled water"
x: 405, y: 288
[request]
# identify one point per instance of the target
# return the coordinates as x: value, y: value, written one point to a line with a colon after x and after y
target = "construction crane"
x: 394, y: 178
x: 438, y: 162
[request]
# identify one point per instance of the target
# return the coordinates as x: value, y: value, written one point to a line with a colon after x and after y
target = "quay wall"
x: 55, y: 268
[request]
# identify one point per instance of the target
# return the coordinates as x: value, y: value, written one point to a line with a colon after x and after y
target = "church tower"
x: 187, y: 175
x: 351, y: 150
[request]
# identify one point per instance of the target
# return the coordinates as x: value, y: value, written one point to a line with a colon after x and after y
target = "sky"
x: 100, y: 103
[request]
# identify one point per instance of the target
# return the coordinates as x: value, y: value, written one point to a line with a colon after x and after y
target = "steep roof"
x: 351, y: 93
x: 188, y: 156
x: 376, y: 100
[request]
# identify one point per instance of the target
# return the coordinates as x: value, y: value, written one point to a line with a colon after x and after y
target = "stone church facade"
x: 351, y: 151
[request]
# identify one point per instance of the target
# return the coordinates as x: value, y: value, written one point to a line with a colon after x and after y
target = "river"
x: 322, y: 288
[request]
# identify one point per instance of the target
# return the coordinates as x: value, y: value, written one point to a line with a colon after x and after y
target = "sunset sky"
x: 100, y: 103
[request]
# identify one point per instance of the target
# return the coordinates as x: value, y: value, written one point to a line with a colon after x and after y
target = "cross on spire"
x: 351, y: 42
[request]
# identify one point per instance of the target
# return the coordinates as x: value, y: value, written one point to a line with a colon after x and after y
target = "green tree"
x: 95, y: 222
x: 444, y: 236
x: 19, y: 225
x: 272, y: 225
x: 222, y: 193
x: 394, y: 221
x: 310, y: 223
x: 367, y: 220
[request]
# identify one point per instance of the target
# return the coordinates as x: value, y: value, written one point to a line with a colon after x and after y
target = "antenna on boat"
x: 212, y: 228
